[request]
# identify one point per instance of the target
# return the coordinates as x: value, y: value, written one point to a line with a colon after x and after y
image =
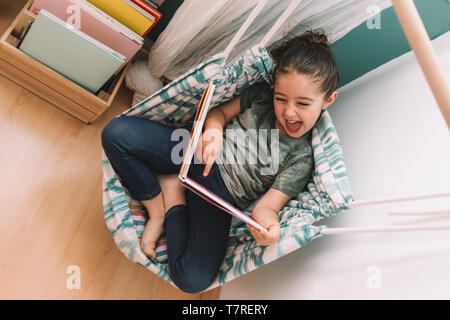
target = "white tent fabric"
x: 202, y: 28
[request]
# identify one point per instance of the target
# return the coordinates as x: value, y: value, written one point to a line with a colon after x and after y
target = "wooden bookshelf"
x: 47, y: 83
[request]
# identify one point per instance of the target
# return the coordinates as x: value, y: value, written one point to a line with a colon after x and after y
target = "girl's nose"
x: 290, y: 111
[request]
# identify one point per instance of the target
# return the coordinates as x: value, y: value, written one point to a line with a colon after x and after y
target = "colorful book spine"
x: 159, y: 2
x: 141, y: 5
x: 151, y: 3
x: 139, y: 9
x: 125, y: 14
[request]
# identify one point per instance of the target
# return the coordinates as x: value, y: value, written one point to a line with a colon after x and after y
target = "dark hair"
x: 308, y: 53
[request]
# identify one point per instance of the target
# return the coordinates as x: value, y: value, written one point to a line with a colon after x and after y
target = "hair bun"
x: 315, y: 37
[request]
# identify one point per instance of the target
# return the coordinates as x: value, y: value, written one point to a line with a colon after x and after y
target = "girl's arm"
x: 266, y: 213
x: 218, y: 117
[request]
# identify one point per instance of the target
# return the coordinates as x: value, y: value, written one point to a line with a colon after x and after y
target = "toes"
x: 149, y: 250
x: 152, y: 255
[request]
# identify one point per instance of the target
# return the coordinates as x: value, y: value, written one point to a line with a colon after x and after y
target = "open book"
x: 193, y: 185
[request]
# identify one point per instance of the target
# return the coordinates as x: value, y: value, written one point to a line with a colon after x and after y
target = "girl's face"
x: 298, y: 102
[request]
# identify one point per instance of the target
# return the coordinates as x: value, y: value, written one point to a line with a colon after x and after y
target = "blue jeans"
x: 197, y: 233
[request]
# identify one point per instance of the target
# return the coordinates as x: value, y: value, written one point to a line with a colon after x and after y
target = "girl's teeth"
x: 293, y: 126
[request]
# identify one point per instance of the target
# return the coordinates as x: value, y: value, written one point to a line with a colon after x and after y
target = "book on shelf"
x: 95, y: 23
x: 151, y: 3
x: 145, y: 9
x: 70, y: 52
x: 158, y: 2
x: 128, y: 15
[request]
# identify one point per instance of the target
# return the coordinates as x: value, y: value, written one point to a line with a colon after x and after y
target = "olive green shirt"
x: 256, y: 157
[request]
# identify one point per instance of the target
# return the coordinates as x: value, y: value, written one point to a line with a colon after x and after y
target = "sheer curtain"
x: 202, y: 28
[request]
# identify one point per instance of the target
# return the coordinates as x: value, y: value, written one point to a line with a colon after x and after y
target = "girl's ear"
x: 271, y: 87
x: 331, y: 99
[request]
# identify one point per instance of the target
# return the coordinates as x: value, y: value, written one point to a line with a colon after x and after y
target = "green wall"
x: 363, y: 49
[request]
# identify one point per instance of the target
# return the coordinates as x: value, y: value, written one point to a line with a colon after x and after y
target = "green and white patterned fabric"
x: 327, y: 193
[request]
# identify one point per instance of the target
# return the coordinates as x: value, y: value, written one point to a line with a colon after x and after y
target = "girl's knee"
x: 114, y: 130
x: 192, y: 281
x: 110, y: 131
x: 193, y: 285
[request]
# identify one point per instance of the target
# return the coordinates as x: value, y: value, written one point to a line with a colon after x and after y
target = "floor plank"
x: 51, y: 213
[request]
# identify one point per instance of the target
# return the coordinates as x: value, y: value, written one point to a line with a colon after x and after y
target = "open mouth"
x: 293, y: 126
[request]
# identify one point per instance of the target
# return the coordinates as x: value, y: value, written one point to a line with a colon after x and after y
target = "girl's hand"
x: 266, y: 238
x: 209, y: 147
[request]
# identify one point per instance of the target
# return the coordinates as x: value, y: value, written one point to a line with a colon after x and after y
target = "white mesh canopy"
x: 202, y: 28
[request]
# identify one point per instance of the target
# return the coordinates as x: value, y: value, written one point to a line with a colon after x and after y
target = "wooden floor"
x: 51, y: 204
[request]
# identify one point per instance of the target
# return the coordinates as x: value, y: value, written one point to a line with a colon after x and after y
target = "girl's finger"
x: 252, y: 230
x: 207, y: 168
x: 205, y: 156
x: 257, y: 235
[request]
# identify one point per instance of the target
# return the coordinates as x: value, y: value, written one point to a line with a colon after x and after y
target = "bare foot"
x: 148, y: 245
x: 172, y: 193
x: 154, y: 226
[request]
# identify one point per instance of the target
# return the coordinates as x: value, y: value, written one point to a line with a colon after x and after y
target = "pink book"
x: 95, y: 23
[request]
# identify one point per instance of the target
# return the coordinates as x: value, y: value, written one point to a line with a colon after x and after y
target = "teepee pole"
x: 279, y: 22
x: 421, y: 45
x: 397, y: 199
x: 420, y: 213
x: 383, y: 229
x: 244, y: 27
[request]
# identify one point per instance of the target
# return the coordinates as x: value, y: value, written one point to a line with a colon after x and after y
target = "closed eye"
x: 284, y: 100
